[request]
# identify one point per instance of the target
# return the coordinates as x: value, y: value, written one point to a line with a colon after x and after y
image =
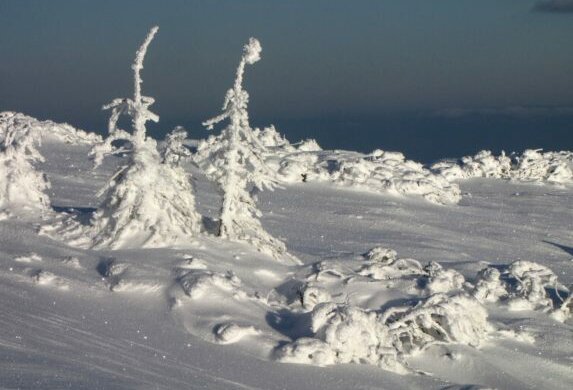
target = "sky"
x: 432, y: 79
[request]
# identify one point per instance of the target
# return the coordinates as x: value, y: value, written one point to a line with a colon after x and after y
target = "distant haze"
x: 429, y: 78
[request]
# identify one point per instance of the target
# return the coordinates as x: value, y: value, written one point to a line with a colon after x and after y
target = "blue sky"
x: 354, y: 74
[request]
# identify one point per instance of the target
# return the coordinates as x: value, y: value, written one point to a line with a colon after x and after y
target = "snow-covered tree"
x: 174, y: 151
x: 149, y: 201
x: 21, y: 185
x: 236, y: 163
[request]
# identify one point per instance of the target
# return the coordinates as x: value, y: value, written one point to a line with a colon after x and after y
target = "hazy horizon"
x: 429, y: 79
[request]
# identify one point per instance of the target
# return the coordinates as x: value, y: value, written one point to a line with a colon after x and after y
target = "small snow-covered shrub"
x: 383, y: 263
x: 536, y: 166
x: 442, y: 280
x: 437, y: 319
x: 522, y: 285
x: 21, y: 185
x: 528, y: 282
x: 483, y: 164
x: 489, y: 287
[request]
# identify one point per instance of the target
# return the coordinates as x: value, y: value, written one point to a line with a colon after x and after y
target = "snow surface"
x: 410, y: 293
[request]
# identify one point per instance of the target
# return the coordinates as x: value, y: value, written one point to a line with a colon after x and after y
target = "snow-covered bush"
x: 348, y: 334
x: 235, y: 161
x: 149, y: 201
x: 536, y: 166
x: 21, y: 185
x: 522, y: 285
x: 442, y: 280
x: 438, y: 319
x: 531, y: 166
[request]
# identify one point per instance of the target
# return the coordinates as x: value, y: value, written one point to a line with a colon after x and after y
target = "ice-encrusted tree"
x: 236, y: 164
x: 149, y: 201
x: 21, y: 185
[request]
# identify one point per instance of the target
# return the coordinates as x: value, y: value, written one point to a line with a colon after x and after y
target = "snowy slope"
x: 215, y: 314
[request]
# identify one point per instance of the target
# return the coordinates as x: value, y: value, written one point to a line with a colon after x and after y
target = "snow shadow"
x: 566, y: 249
x: 290, y: 324
x: 81, y: 214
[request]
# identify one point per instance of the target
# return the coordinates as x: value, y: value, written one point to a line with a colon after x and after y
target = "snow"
x: 393, y: 276
x: 438, y: 295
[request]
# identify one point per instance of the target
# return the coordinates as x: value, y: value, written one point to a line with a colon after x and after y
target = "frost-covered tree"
x: 236, y: 164
x: 21, y: 185
x: 174, y: 150
x: 149, y: 201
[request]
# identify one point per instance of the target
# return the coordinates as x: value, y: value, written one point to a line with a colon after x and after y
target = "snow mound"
x: 383, y: 264
x: 195, y: 284
x: 46, y: 278
x: 230, y: 332
x: 30, y: 258
x: 348, y: 334
x: 531, y: 166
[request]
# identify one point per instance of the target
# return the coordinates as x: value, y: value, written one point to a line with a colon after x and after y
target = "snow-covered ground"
x: 415, y: 312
